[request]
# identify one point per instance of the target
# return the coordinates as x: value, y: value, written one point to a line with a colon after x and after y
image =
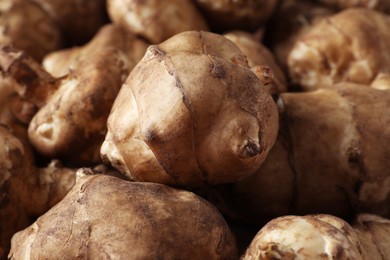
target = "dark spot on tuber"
x: 153, y: 51
x: 251, y: 149
x: 218, y: 70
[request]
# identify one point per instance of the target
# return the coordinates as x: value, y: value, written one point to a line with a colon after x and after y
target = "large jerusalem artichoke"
x: 191, y: 113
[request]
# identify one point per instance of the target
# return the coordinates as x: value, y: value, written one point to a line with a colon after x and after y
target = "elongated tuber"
x: 191, y: 113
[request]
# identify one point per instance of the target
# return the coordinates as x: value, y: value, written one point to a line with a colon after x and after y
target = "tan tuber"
x: 191, y: 113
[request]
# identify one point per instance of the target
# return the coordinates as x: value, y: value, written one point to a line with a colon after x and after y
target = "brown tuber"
x: 105, y: 217
x: 191, y: 113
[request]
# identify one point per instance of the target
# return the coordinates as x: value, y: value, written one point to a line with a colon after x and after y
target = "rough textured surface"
x: 105, y: 217
x: 352, y: 46
x: 156, y: 20
x: 239, y: 14
x: 258, y: 55
x: 191, y: 113
x: 331, y: 156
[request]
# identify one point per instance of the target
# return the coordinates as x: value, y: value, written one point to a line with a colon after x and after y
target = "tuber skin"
x: 105, y: 217
x: 26, y: 191
x: 290, y: 20
x: 331, y: 156
x: 156, y: 20
x: 259, y: 55
x: 26, y: 26
x: 60, y: 63
x: 320, y: 57
x: 226, y: 15
x: 191, y: 113
x: 321, y: 237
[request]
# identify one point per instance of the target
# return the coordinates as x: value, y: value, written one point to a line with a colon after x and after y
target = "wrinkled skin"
x: 191, y: 113
x: 156, y: 20
x: 331, y: 156
x: 105, y: 217
x: 348, y: 46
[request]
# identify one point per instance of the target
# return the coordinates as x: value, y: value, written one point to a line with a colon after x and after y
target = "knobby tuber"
x: 149, y: 221
x: 348, y: 46
x: 191, y: 113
